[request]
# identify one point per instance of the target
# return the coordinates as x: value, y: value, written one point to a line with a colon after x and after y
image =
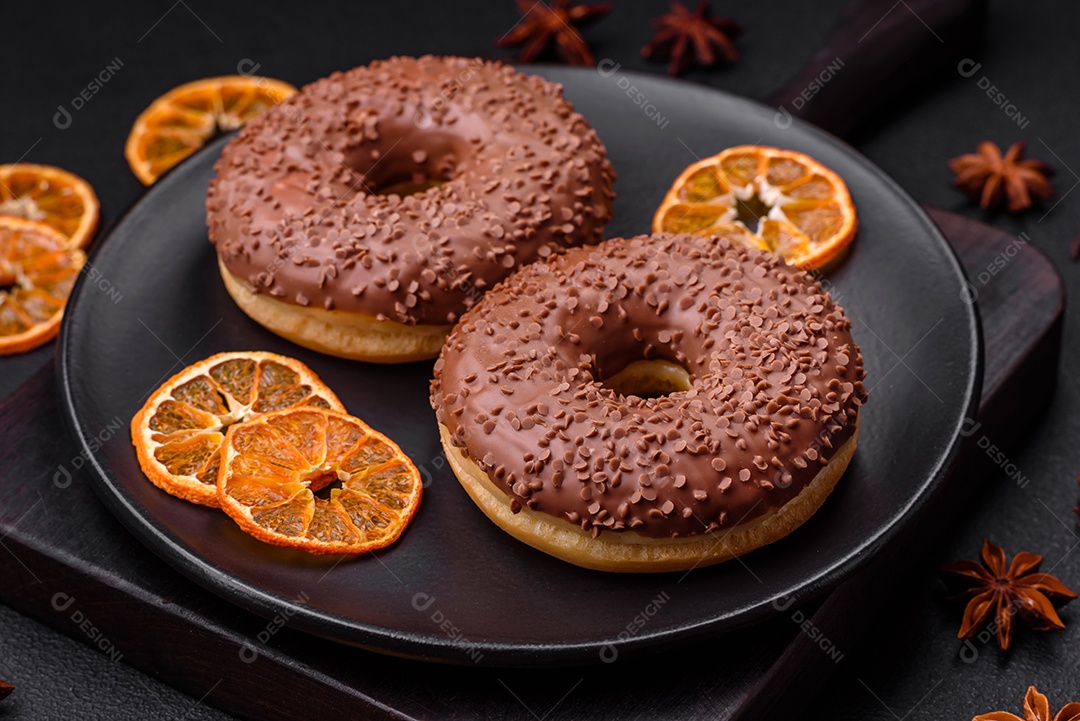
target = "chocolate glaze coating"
x: 776, y: 385
x: 294, y: 208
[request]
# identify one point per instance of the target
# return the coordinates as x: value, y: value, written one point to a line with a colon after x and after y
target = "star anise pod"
x: 1007, y: 592
x: 542, y: 26
x: 5, y: 690
x: 988, y: 176
x: 1036, y: 708
x: 683, y: 37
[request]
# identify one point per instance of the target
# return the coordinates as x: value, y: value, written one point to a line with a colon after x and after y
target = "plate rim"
x: 431, y: 647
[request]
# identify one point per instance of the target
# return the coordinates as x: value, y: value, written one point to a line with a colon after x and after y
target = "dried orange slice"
x: 37, y: 269
x: 183, y: 119
x: 178, y: 432
x: 791, y: 204
x: 276, y: 476
x: 55, y: 197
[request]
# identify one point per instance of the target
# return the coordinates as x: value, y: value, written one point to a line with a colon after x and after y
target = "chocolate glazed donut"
x: 363, y: 215
x: 651, y: 404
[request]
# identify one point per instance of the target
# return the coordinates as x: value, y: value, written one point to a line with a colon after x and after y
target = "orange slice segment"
x: 37, y: 270
x: 179, y: 431
x: 62, y: 200
x: 182, y: 120
x: 768, y: 198
x: 274, y: 466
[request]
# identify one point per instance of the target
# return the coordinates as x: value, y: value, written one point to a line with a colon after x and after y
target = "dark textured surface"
x: 70, y: 680
x: 911, y: 665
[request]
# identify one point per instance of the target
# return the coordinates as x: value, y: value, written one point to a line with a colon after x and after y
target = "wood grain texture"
x: 61, y: 549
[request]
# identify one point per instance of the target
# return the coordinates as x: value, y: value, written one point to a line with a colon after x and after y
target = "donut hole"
x: 413, y: 164
x: 409, y: 186
x: 649, y: 379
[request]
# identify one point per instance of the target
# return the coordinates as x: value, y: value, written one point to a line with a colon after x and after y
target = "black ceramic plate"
x: 455, y: 587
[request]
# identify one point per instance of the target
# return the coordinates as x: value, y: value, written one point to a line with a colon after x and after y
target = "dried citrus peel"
x: 182, y: 120
x: 52, y: 196
x: 179, y: 430
x: 274, y: 466
x: 767, y: 198
x: 38, y: 268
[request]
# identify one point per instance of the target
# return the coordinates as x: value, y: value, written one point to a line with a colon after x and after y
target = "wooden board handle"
x: 878, y: 57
